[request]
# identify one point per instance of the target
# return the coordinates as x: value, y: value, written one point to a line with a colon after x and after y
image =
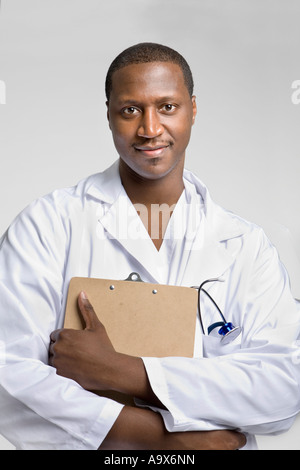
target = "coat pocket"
x: 213, y: 346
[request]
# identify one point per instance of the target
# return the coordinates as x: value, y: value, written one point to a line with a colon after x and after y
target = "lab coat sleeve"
x: 38, y: 408
x: 254, y: 386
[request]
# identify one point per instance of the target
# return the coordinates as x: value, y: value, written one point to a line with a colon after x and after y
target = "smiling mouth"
x: 152, y: 151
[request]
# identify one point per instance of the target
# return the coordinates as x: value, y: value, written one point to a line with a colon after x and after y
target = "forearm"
x: 200, y: 379
x: 142, y: 429
x: 128, y: 375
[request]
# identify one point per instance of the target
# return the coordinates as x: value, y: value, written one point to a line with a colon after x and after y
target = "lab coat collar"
x: 225, y: 224
x: 209, y: 256
x: 107, y: 187
x: 205, y: 254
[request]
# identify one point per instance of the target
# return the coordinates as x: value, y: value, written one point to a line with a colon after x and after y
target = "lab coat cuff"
x: 173, y: 418
x: 106, y: 418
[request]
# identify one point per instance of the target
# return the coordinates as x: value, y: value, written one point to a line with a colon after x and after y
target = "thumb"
x: 87, y: 311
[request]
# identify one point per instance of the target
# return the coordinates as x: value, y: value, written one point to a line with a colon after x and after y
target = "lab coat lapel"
x: 207, y: 255
x: 207, y: 258
x: 122, y: 223
x: 116, y: 214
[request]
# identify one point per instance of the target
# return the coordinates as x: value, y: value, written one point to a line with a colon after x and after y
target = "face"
x: 151, y: 114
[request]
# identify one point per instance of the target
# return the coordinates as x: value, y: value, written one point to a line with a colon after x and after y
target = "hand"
x: 89, y: 358
x: 83, y: 355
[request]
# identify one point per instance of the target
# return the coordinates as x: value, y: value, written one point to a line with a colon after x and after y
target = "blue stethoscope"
x: 227, y: 330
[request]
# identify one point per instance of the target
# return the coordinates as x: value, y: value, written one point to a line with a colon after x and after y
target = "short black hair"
x: 147, y: 52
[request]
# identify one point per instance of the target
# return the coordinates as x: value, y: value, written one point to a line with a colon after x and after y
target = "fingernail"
x: 83, y: 295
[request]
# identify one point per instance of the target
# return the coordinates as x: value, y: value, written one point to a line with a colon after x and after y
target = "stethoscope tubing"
x: 227, y: 330
x: 200, y: 289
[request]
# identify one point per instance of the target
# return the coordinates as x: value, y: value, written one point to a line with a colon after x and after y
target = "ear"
x: 194, y: 108
x: 107, y: 113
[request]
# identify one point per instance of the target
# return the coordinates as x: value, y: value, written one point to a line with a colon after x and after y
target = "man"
x: 251, y: 384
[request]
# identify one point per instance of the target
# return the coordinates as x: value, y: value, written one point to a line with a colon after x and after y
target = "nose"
x: 150, y: 125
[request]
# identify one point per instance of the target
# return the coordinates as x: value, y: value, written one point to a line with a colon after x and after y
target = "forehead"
x: 148, y: 80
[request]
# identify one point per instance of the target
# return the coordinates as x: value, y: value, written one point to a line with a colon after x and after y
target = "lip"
x: 151, y: 151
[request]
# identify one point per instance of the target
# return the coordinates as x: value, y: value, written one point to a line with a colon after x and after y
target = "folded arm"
x: 88, y: 357
x: 143, y: 429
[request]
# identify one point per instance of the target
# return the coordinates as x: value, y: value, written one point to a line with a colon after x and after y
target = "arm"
x: 142, y: 429
x: 253, y: 387
x: 89, y: 358
x: 252, y: 383
x: 38, y: 408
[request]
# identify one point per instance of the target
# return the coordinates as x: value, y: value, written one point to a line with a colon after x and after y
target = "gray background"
x: 244, y: 54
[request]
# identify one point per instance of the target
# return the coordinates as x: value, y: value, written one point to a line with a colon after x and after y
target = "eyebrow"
x: 130, y: 101
x: 127, y: 101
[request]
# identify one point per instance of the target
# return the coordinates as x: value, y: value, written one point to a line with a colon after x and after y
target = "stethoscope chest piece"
x: 227, y: 330
x: 229, y: 333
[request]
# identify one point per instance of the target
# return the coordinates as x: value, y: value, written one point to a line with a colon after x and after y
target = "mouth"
x: 152, y: 151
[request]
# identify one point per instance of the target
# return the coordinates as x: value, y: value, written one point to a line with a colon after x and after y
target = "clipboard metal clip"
x: 135, y: 277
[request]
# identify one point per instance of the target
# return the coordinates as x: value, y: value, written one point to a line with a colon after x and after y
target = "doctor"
x: 109, y: 225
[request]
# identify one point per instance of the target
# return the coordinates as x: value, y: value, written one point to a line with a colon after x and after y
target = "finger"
x: 51, y: 354
x: 87, y: 311
x: 54, y: 336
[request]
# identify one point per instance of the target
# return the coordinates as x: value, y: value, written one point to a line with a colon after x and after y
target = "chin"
x: 156, y: 170
x: 153, y: 169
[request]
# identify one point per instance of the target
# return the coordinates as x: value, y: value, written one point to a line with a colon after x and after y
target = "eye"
x: 168, y: 108
x: 131, y: 110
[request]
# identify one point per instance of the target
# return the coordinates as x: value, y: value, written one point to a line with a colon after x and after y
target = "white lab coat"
x: 251, y: 384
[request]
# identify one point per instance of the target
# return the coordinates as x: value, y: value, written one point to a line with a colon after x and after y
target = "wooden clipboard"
x: 141, y: 319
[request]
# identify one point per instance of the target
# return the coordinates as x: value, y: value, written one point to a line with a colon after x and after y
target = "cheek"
x: 182, y: 135
x: 122, y: 133
x: 119, y: 137
x: 180, y: 128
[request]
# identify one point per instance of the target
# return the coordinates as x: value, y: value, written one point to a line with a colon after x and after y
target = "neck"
x: 164, y: 190
x: 154, y: 199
